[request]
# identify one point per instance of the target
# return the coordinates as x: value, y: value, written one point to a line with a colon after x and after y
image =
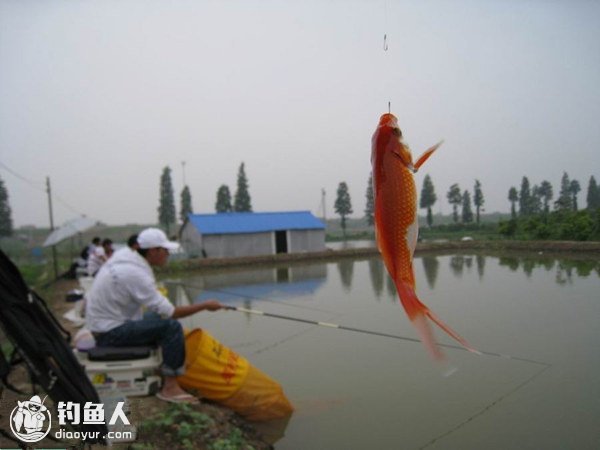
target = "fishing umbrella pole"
x: 376, y: 333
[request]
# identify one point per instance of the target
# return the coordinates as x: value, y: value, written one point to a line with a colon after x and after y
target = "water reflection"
x: 346, y: 269
x: 329, y: 364
x: 257, y: 284
x: 480, y: 265
x: 377, y: 274
x: 391, y: 288
x: 564, y: 267
x: 431, y: 266
x: 457, y: 264
x: 305, y: 280
x: 509, y: 261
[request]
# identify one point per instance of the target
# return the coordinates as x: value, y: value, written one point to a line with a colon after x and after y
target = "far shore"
x: 571, y: 248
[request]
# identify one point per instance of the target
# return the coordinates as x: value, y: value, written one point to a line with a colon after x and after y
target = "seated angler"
x: 122, y: 289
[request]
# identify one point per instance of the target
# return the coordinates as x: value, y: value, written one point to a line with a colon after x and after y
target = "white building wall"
x: 306, y: 241
x: 238, y: 245
x: 191, y: 240
x: 251, y: 244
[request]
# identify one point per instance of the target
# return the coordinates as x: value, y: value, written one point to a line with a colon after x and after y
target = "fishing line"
x: 343, y: 327
x: 487, y: 407
x: 381, y: 334
x: 385, y: 49
x: 246, y: 296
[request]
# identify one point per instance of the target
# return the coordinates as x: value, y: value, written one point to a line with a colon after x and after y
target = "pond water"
x: 353, y: 390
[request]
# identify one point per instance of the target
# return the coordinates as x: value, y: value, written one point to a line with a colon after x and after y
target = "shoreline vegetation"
x: 557, y: 231
x: 573, y: 248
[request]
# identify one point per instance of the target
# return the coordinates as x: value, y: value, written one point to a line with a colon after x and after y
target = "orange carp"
x: 396, y: 223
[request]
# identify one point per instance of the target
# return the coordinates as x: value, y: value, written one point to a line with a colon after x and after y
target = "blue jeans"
x: 151, y: 330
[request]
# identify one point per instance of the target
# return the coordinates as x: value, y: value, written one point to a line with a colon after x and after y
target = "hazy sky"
x: 101, y: 95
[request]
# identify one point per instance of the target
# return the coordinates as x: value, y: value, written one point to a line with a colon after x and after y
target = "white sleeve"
x: 145, y: 292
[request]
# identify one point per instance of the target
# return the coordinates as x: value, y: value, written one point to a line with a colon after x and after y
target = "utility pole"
x: 183, y: 170
x: 49, y: 191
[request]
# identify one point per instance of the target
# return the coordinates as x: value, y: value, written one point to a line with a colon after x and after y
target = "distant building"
x: 227, y: 235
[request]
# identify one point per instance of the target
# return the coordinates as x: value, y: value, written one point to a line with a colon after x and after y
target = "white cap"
x: 153, y: 237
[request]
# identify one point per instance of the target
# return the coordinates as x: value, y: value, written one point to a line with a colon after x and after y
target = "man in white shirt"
x: 98, y: 256
x: 122, y: 288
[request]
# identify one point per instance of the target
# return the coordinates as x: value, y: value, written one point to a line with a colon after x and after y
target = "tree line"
x: 535, y: 218
x: 531, y: 200
x: 530, y: 206
x: 536, y: 199
x: 166, y: 209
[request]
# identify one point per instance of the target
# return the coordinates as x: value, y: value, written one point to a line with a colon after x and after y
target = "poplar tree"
x: 241, y: 201
x: 546, y: 194
x: 454, y: 198
x: 370, y: 204
x: 467, y: 212
x: 535, y: 201
x: 525, y: 198
x: 343, y: 204
x: 186, y: 204
x: 564, y: 201
x: 478, y: 199
x: 223, y: 203
x: 166, y: 207
x: 593, y: 195
x: 428, y: 198
x: 513, y: 197
x: 6, y: 223
x: 574, y: 188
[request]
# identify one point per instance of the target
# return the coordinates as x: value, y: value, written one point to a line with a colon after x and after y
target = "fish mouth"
x: 388, y: 119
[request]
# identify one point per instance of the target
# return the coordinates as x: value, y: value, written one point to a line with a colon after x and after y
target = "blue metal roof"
x: 236, y: 222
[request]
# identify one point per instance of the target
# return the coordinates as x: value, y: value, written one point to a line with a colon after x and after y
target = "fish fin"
x: 462, y: 341
x: 427, y: 338
x: 417, y: 313
x: 426, y: 154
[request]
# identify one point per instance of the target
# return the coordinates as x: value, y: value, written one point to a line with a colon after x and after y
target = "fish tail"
x: 418, y: 312
x: 462, y: 341
x: 426, y: 154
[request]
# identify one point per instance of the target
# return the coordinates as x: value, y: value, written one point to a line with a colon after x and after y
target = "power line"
x: 33, y: 184
x: 65, y: 204
x: 39, y: 187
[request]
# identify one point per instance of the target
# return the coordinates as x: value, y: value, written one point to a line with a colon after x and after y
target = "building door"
x: 281, y: 242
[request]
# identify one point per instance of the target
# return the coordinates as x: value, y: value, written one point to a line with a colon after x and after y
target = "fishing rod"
x: 378, y: 333
x: 343, y: 327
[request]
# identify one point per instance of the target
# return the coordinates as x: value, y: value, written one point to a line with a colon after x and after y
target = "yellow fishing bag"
x: 221, y: 375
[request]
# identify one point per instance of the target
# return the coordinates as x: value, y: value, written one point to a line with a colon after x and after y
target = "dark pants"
x: 151, y: 330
